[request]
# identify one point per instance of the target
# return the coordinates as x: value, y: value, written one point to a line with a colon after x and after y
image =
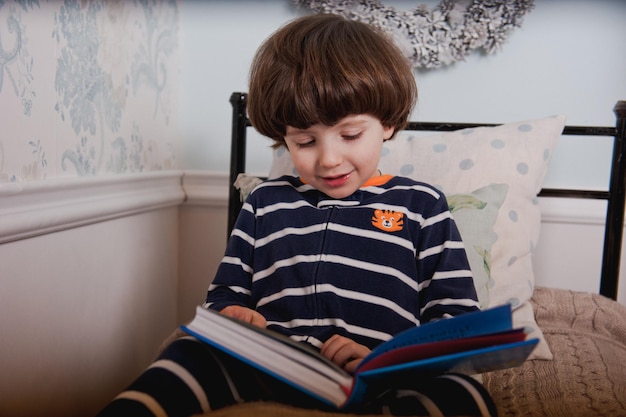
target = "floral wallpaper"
x: 87, y: 87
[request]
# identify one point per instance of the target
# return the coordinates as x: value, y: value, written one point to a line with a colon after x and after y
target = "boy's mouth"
x: 336, y: 181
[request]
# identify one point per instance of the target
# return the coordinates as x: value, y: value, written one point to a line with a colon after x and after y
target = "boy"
x: 332, y: 91
x: 342, y: 257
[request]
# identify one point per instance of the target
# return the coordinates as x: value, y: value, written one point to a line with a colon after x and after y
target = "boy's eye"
x: 352, y: 137
x: 306, y: 144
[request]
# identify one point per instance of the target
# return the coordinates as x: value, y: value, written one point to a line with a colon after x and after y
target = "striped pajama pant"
x: 190, y: 377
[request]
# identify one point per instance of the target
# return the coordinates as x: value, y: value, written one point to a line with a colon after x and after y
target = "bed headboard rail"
x: 615, y: 194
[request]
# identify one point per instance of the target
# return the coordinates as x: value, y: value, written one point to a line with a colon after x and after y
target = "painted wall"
x: 564, y: 60
x: 82, y: 312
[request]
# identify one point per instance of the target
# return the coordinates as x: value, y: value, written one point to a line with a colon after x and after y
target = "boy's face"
x: 338, y: 159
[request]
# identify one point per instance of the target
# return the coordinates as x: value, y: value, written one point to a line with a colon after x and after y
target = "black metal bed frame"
x: 615, y: 195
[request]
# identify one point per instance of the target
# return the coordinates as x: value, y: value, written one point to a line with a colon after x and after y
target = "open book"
x: 470, y: 343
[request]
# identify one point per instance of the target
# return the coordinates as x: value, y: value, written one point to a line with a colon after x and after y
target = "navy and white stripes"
x: 192, y: 378
x: 314, y: 266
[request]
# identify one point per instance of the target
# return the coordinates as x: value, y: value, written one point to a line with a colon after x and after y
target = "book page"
x: 412, y: 353
x: 273, y: 363
x: 493, y: 320
x: 288, y: 348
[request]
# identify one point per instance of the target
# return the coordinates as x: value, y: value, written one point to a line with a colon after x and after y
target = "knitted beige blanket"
x: 587, y: 334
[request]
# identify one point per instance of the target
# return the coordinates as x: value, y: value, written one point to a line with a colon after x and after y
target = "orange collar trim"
x: 376, y: 181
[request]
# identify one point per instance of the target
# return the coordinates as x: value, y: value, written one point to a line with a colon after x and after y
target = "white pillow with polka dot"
x: 515, y: 154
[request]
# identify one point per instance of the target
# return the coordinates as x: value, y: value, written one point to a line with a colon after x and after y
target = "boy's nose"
x: 330, y: 157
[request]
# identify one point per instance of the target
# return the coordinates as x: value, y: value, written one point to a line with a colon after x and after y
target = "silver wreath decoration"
x: 438, y: 37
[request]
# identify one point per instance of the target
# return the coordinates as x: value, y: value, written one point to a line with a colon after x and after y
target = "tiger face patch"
x: 388, y: 220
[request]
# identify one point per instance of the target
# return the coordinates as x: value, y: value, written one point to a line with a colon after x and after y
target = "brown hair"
x: 322, y: 68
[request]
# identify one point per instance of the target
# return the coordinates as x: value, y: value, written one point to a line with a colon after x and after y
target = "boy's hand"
x: 245, y: 314
x: 344, y: 352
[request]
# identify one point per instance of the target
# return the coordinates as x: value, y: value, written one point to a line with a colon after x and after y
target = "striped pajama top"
x: 368, y: 266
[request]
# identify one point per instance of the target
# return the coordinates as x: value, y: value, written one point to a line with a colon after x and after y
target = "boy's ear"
x: 388, y: 132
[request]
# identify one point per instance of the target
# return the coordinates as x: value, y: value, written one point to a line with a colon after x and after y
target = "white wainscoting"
x: 33, y: 208
x: 202, y: 236
x: 569, y: 252
x: 89, y: 277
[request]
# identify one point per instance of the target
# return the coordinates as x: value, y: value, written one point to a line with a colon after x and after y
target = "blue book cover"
x: 470, y: 343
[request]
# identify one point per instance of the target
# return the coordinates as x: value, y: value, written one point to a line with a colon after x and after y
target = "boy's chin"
x: 338, y: 193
